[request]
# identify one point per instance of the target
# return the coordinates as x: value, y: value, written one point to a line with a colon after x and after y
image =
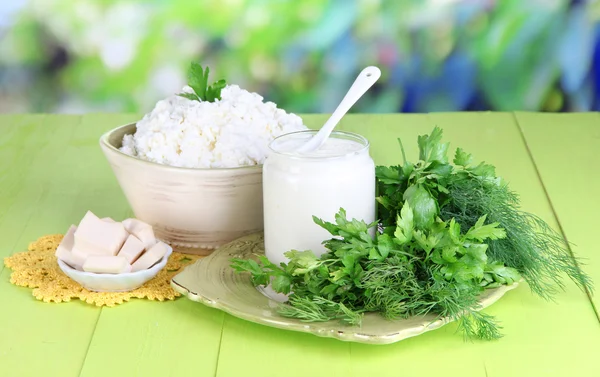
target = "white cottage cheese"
x: 232, y: 132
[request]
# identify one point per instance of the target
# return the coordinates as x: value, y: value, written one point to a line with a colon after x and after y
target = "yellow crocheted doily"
x: 38, y: 269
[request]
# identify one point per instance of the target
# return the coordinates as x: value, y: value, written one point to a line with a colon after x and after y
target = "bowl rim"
x: 157, y: 266
x: 106, y: 144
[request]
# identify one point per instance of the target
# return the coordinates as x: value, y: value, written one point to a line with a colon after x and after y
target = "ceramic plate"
x: 214, y: 283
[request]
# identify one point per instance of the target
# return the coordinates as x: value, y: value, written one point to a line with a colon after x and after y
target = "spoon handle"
x: 366, y: 78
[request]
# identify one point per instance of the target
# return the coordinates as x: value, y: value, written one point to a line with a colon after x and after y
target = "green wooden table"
x: 52, y: 171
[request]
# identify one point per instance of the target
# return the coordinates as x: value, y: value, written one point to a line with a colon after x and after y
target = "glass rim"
x: 345, y: 135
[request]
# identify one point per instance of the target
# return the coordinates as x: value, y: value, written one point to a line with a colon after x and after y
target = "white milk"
x: 297, y: 186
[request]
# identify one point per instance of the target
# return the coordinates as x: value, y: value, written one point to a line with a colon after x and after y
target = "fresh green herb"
x: 319, y: 309
x: 412, y: 272
x: 466, y: 192
x: 198, y: 81
x: 446, y: 233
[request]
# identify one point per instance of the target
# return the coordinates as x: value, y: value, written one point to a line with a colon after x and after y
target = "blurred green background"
x: 436, y: 55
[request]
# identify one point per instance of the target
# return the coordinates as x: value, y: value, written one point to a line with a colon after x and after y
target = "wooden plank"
x: 143, y: 338
x: 566, y: 151
x: 24, y: 170
x: 37, y: 338
x: 139, y: 337
x: 55, y: 173
x: 535, y: 330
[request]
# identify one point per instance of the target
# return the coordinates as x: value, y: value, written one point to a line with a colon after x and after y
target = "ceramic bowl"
x: 193, y: 210
x: 114, y: 282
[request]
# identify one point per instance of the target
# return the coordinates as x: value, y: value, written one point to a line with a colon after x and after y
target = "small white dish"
x: 114, y: 282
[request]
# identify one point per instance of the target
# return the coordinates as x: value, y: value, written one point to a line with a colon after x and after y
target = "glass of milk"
x: 341, y: 174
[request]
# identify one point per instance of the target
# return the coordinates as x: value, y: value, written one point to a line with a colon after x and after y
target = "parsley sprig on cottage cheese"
x: 232, y: 131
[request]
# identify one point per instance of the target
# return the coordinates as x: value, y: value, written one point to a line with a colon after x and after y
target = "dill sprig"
x: 532, y: 247
x: 319, y: 309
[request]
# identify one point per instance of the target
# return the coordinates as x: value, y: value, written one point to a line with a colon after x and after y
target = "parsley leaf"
x: 480, y: 232
x: 389, y: 174
x: 431, y: 147
x: 462, y: 158
x: 190, y: 96
x: 404, y: 227
x: 198, y: 81
x: 423, y: 205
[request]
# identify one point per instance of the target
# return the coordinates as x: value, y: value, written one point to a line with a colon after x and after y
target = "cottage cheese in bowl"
x: 231, y: 132
x: 192, y: 169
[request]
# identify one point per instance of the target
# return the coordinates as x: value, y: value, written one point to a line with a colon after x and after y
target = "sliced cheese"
x: 150, y: 257
x: 63, y: 251
x: 79, y: 254
x: 96, y: 237
x: 141, y: 230
x: 71, y: 259
x: 66, y: 245
x: 132, y: 249
x: 106, y: 264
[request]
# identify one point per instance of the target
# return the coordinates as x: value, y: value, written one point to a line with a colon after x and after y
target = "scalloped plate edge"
x: 344, y: 333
